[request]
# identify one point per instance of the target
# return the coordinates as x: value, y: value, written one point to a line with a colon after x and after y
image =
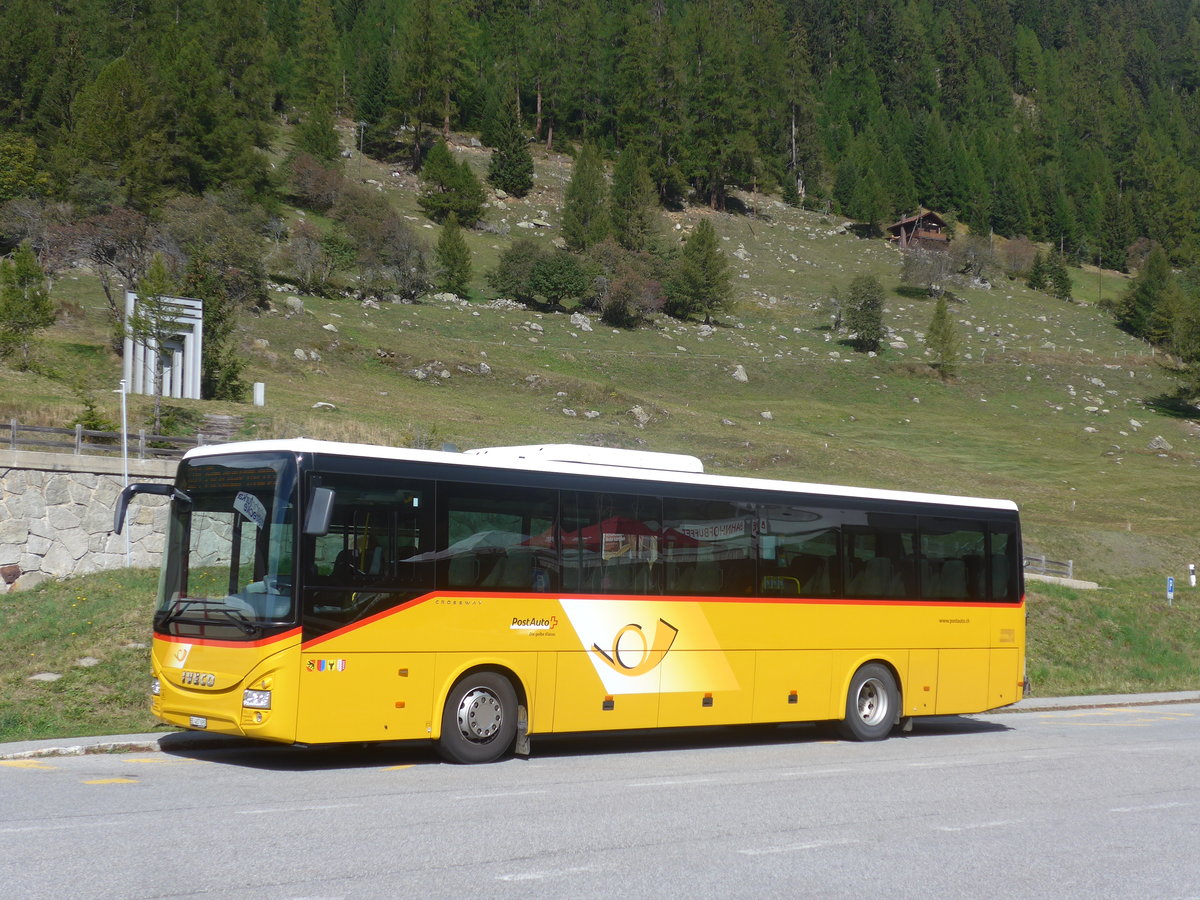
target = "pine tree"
x: 942, y: 340
x: 634, y: 203
x: 435, y: 34
x: 315, y: 133
x: 511, y: 165
x: 1058, y: 278
x: 864, y: 313
x: 585, y: 213
x: 1039, y: 274
x: 25, y: 304
x: 700, y: 282
x: 1148, y: 307
x: 449, y: 188
x: 317, y: 67
x: 453, y: 259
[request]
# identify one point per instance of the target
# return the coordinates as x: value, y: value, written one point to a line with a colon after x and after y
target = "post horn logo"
x: 627, y: 661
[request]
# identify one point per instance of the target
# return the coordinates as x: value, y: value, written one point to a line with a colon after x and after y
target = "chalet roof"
x: 925, y: 215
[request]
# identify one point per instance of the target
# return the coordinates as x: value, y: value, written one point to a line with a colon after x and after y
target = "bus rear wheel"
x: 479, y: 720
x: 872, y: 704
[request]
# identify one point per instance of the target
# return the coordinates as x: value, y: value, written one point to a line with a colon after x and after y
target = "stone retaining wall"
x: 56, y: 514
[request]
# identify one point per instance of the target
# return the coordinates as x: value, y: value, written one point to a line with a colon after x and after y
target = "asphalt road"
x: 1094, y: 802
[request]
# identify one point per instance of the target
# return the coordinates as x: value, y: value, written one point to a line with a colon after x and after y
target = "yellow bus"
x: 317, y: 592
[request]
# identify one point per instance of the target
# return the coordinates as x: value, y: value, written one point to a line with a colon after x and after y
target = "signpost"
x: 1170, y: 590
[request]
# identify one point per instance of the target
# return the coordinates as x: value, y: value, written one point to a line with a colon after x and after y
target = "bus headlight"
x: 155, y: 687
x: 256, y: 699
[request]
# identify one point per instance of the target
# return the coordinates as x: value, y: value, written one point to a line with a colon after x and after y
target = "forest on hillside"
x: 1071, y: 121
x: 171, y: 135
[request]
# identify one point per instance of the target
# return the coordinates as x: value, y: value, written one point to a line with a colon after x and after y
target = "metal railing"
x: 1040, y: 565
x: 80, y: 440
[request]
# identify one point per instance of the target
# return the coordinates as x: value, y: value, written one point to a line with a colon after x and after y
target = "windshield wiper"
x: 238, y: 618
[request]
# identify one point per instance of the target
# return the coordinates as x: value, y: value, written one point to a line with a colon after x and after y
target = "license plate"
x: 198, y: 722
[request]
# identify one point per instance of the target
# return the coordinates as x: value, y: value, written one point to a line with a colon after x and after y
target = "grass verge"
x: 1122, y: 639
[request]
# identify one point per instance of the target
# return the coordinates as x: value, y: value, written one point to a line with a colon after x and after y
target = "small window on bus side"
x: 708, y: 548
x: 498, y: 537
x: 799, y: 552
x: 953, y: 559
x: 1003, y: 570
x: 611, y: 543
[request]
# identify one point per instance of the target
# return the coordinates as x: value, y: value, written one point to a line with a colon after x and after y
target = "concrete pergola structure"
x: 179, y: 356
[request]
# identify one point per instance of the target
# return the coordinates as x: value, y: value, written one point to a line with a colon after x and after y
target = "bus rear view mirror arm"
x: 163, y: 490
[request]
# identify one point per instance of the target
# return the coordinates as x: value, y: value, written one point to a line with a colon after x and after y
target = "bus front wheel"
x: 479, y: 721
x: 872, y: 704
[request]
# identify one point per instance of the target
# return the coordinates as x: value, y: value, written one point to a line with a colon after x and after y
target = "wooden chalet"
x: 925, y: 229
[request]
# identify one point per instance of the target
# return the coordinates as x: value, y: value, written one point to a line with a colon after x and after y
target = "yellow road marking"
x: 112, y: 781
x: 25, y: 764
x: 398, y: 768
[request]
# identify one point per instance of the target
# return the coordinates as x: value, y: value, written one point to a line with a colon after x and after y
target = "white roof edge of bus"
x: 594, y: 456
x: 516, y: 462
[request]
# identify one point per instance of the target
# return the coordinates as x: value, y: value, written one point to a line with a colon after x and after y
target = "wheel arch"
x: 457, y: 674
x: 843, y: 690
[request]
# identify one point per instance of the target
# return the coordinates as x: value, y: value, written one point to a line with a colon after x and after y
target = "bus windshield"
x: 228, y: 562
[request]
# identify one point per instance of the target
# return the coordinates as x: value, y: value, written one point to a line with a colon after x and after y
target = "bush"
x: 511, y: 277
x: 313, y: 184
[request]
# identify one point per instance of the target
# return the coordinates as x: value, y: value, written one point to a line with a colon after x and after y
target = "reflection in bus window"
x: 708, y: 548
x: 610, y: 543
x: 498, y: 538
x: 799, y: 552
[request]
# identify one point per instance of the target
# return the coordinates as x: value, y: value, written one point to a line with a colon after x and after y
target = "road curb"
x: 172, y: 742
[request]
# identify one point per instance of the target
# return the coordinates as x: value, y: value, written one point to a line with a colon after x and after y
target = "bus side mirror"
x: 163, y: 490
x: 320, y: 512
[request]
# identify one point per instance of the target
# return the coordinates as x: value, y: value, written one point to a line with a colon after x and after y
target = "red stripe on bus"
x: 213, y: 642
x: 647, y: 598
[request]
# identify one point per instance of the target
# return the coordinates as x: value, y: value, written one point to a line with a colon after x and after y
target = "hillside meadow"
x: 1053, y: 408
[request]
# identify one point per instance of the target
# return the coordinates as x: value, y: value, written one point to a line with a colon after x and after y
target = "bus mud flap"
x: 521, y: 747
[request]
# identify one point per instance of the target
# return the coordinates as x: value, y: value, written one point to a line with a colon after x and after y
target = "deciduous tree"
x: 25, y: 304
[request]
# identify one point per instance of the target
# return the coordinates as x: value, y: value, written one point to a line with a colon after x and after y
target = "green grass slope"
x: 93, y: 633
x: 1054, y: 408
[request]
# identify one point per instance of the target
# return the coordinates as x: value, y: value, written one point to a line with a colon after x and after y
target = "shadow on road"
x: 327, y: 757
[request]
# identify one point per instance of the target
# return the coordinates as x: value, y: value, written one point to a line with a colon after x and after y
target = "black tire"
x: 872, y: 704
x: 479, y: 720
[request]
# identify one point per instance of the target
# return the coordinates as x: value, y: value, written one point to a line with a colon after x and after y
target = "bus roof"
x: 596, y: 462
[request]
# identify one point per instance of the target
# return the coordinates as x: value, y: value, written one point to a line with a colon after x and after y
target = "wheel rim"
x: 872, y: 702
x: 480, y: 715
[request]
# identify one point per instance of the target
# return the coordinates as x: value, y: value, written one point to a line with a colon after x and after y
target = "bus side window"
x: 497, y: 537
x: 1002, y: 564
x: 882, y: 557
x: 380, y: 534
x: 611, y: 543
x: 952, y: 559
x: 708, y: 547
x: 799, y: 551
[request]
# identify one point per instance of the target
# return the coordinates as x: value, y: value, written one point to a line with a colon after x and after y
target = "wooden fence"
x: 80, y: 440
x: 1039, y: 565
